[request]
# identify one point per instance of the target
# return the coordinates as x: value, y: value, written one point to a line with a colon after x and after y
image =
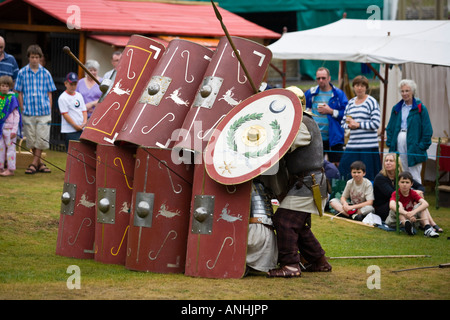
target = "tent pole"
x: 82, y: 53
x: 397, y: 196
x: 281, y: 72
x: 383, y: 120
x: 385, y: 86
x: 341, y: 75
x: 375, y: 71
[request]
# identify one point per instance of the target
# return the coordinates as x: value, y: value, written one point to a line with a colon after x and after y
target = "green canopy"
x: 245, y: 6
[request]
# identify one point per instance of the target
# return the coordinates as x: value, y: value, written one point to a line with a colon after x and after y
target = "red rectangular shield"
x: 217, y: 241
x: 115, y: 172
x: 166, y: 98
x: 224, y: 86
x: 139, y: 58
x: 76, y: 232
x: 159, y: 213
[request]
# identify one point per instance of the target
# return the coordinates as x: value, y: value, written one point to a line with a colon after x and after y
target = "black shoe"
x: 409, y: 227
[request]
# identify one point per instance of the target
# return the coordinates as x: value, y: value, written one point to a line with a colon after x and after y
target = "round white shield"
x: 253, y: 136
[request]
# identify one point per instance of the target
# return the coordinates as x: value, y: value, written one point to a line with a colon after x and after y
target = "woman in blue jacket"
x: 409, y: 130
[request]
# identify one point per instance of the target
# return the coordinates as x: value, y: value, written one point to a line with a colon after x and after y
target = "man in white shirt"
x: 115, y: 58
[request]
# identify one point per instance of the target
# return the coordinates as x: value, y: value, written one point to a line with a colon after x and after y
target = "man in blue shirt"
x: 8, y: 64
x: 35, y: 85
x: 327, y: 104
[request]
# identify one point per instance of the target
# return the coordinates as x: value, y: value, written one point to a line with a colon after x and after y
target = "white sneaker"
x: 431, y: 233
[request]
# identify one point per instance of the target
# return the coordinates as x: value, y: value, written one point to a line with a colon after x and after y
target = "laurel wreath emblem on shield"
x: 231, y: 141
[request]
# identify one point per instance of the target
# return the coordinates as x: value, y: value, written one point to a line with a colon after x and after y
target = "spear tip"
x: 218, y: 15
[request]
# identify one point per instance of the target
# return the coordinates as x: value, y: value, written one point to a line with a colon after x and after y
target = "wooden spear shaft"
x: 442, y: 265
x: 381, y: 257
x: 66, y: 50
x: 348, y: 220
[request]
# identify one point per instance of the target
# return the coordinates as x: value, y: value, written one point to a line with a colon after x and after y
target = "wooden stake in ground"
x: 349, y: 220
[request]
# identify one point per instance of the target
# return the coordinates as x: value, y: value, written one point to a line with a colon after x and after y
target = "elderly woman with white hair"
x: 88, y: 88
x: 409, y: 130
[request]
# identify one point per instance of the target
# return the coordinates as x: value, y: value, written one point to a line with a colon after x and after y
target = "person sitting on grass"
x: 412, y: 208
x: 358, y: 191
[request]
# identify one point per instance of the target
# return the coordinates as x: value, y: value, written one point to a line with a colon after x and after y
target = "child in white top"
x: 73, y: 110
x: 359, y: 191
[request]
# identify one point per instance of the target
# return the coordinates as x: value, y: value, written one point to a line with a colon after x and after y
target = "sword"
x: 316, y: 194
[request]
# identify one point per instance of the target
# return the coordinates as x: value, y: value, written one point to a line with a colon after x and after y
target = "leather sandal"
x: 287, y: 271
x: 31, y: 169
x: 44, y: 169
x: 320, y: 265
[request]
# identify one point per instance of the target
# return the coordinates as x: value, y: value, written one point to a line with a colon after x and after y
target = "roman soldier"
x: 306, y: 195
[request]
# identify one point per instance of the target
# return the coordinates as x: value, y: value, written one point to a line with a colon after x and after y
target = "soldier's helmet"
x: 299, y: 93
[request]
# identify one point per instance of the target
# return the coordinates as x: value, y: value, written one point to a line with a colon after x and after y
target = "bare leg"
x: 37, y: 157
x: 425, y: 218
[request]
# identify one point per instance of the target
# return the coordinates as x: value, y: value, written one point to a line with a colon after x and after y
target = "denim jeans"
x: 71, y: 136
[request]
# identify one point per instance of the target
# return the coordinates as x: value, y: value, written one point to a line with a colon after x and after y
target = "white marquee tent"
x: 421, y: 47
x: 370, y: 41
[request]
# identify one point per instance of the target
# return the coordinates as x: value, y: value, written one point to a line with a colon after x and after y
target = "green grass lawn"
x: 30, y: 269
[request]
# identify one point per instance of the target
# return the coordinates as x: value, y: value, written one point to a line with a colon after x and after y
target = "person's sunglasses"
x: 321, y: 78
